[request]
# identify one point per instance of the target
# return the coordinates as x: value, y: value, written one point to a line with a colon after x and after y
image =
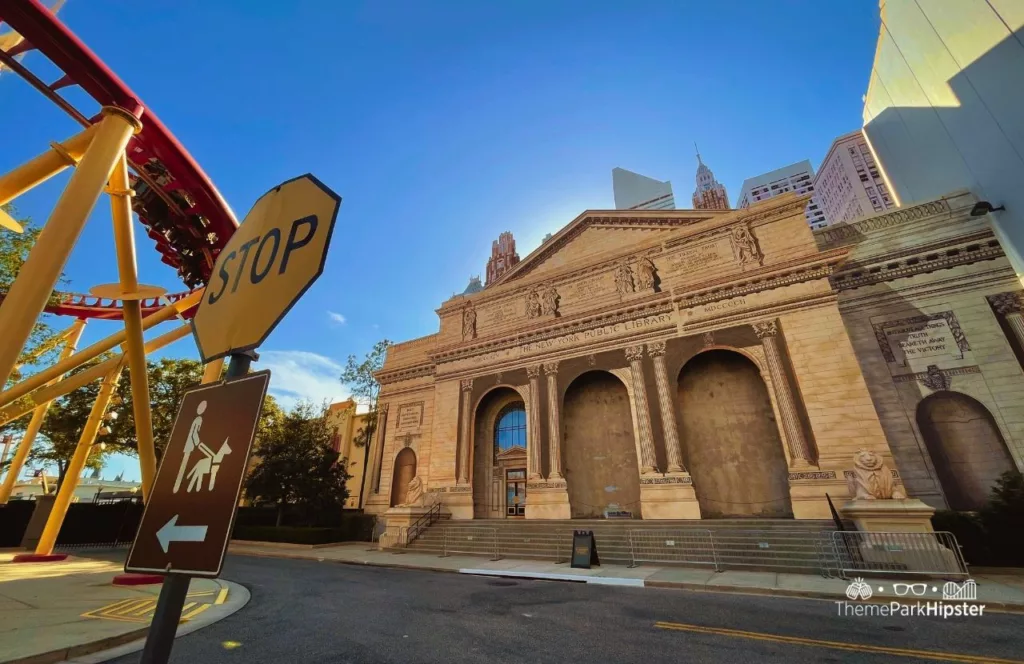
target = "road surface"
x: 305, y: 611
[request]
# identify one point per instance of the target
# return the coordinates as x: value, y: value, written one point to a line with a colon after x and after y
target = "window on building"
x: 510, y: 428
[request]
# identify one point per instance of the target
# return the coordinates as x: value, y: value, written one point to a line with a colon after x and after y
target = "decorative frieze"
x: 856, y: 230
x: 544, y: 485
x: 813, y: 475
x: 940, y: 378
x: 685, y: 480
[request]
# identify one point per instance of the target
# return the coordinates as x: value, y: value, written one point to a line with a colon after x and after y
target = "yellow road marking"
x: 838, y: 645
x: 147, y: 606
x: 222, y: 596
x: 194, y: 612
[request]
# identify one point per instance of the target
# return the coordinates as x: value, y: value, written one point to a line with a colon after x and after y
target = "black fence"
x: 100, y: 524
x: 14, y: 518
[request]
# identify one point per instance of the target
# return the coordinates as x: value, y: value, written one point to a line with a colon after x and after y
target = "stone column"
x: 465, y: 427
x: 533, y: 425
x: 1009, y: 306
x: 648, y: 459
x: 378, y: 457
x: 554, y: 422
x: 673, y: 449
x: 799, y: 448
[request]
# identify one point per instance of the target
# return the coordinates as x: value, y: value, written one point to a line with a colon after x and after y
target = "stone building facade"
x: 684, y: 364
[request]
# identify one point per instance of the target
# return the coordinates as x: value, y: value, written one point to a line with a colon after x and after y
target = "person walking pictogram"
x: 208, y: 465
x: 191, y: 443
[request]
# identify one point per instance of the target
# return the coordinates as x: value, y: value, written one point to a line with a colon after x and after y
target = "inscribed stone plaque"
x: 702, y: 256
x: 502, y: 312
x: 410, y: 415
x: 588, y: 288
x: 920, y: 337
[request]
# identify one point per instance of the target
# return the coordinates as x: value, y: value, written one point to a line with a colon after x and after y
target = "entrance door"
x: 515, y: 492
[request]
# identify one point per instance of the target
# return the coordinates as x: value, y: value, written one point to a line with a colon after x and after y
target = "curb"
x: 1003, y: 607
x: 110, y: 647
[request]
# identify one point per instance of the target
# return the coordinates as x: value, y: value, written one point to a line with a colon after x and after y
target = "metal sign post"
x: 172, y: 595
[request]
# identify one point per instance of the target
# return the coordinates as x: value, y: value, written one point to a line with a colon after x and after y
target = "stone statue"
x: 469, y: 323
x: 550, y: 301
x: 747, y: 250
x: 624, y: 279
x: 646, y: 273
x: 414, y: 497
x: 533, y: 308
x: 872, y: 479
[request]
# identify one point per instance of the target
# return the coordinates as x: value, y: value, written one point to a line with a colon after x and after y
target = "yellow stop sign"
x: 276, y: 254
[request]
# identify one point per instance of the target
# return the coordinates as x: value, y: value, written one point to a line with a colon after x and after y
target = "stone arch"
x: 488, y: 469
x: 730, y: 437
x: 965, y: 445
x: 404, y: 471
x: 600, y: 461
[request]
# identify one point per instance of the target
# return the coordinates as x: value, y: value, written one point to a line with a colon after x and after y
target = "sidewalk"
x: 50, y: 612
x: 999, y: 590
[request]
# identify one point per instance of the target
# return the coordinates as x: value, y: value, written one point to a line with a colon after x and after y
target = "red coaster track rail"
x: 182, y: 211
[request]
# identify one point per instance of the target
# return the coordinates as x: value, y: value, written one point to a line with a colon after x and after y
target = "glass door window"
x: 515, y: 492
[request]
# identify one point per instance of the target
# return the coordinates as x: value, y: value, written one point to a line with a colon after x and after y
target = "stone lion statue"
x: 415, y: 494
x: 872, y: 479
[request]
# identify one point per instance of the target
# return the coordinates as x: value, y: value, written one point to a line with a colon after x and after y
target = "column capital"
x: 467, y: 384
x: 551, y: 368
x: 656, y: 348
x: 382, y: 408
x: 1007, y: 303
x: 768, y: 328
x: 634, y: 353
x: 533, y: 372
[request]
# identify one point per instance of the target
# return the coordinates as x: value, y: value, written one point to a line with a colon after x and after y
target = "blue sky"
x: 444, y: 123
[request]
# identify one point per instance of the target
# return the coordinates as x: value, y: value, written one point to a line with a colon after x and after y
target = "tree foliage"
x: 14, y: 250
x: 359, y: 377
x: 297, y: 465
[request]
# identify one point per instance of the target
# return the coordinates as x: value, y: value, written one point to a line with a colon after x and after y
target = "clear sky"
x: 443, y: 123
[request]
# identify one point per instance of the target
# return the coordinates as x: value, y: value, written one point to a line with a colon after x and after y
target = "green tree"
x: 168, y: 380
x: 40, y: 349
x: 297, y: 465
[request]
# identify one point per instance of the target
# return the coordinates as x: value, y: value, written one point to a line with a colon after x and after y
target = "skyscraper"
x: 848, y: 184
x: 798, y: 177
x: 503, y: 257
x: 710, y: 193
x: 639, y: 192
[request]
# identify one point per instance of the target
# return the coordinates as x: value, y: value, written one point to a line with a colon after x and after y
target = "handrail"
x: 418, y: 526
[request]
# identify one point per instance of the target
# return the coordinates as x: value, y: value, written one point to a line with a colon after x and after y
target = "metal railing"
x: 681, y: 546
x: 413, y: 530
x: 770, y: 549
x: 929, y: 554
x: 471, y: 540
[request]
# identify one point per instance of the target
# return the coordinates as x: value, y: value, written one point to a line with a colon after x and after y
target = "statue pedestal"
x: 397, y: 520
x: 894, y: 516
x: 671, y: 498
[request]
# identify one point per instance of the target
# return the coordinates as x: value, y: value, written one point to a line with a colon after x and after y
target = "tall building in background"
x: 798, y: 177
x: 503, y: 257
x: 710, y: 193
x: 943, y: 106
x: 849, y: 184
x: 639, y: 192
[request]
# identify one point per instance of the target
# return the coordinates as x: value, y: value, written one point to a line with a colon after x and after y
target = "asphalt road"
x: 305, y: 611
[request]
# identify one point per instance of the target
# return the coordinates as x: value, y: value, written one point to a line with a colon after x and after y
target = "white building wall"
x: 798, y: 177
x: 638, y: 192
x: 944, y: 108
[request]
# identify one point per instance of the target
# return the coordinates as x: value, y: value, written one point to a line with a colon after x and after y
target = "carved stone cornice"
x: 405, y: 373
x: 919, y: 260
x: 1007, y: 303
x: 841, y: 232
x: 767, y: 328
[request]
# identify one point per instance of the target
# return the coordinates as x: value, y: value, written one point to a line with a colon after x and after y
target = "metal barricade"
x: 473, y: 540
x: 791, y: 550
x: 929, y: 554
x: 680, y: 546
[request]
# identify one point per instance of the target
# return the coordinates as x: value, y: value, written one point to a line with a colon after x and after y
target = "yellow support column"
x: 77, y: 464
x: 45, y: 166
x: 124, y: 239
x: 25, y: 446
x: 212, y: 371
x: 27, y: 296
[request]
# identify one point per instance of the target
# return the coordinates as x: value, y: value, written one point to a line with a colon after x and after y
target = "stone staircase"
x: 755, y: 544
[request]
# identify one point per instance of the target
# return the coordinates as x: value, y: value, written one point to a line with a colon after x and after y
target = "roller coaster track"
x: 182, y: 211
x: 81, y: 305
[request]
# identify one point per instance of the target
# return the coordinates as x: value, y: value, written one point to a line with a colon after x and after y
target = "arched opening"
x: 405, y: 470
x: 733, y: 449
x: 967, y: 450
x: 601, y: 469
x: 499, y: 456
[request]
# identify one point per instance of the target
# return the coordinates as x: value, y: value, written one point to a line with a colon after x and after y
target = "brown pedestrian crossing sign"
x: 191, y: 509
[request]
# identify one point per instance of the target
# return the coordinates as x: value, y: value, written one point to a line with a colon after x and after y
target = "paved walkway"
x: 50, y: 612
x: 998, y: 591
